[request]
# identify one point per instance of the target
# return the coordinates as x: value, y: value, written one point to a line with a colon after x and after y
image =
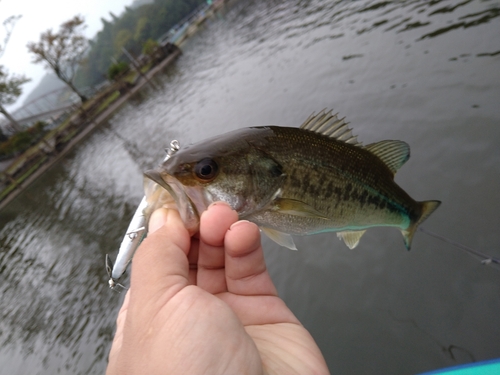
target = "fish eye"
x: 206, y: 169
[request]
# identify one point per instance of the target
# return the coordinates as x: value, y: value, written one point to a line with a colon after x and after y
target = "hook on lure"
x: 112, y: 282
x: 134, y: 235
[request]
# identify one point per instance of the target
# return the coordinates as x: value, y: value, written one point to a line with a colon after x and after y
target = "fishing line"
x: 485, y: 259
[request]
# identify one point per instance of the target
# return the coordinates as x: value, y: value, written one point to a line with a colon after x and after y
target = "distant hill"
x: 143, y: 20
x: 130, y: 30
x: 138, y: 3
x: 48, y: 83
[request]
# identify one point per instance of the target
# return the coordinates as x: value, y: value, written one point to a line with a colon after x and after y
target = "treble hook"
x: 113, y: 285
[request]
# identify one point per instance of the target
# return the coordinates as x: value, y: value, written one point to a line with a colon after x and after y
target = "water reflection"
x: 54, y: 284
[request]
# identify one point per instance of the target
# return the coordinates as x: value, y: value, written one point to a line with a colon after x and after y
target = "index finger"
x: 246, y: 271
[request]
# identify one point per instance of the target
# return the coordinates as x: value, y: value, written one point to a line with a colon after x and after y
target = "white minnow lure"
x: 136, y: 232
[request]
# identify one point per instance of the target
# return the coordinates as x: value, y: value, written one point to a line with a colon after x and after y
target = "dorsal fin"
x: 393, y: 153
x: 330, y: 125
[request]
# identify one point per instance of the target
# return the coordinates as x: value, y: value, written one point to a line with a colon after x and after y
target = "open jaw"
x: 163, y: 190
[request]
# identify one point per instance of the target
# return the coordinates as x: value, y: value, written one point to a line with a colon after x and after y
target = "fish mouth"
x: 187, y: 208
x: 154, y: 175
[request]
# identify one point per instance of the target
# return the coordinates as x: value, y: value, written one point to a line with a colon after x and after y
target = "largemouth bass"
x: 295, y: 181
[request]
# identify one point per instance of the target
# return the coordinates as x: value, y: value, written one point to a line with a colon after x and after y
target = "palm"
x: 219, y: 315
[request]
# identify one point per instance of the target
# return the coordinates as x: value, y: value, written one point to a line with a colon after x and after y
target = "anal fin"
x: 351, y: 238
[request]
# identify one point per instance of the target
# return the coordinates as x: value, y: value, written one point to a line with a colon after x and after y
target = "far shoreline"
x: 89, y: 128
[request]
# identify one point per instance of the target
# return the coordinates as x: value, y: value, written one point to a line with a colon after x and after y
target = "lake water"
x: 426, y: 72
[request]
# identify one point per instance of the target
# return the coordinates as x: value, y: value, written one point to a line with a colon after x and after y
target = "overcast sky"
x: 40, y: 15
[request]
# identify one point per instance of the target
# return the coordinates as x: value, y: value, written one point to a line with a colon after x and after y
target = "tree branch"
x: 8, y: 24
x: 62, y: 51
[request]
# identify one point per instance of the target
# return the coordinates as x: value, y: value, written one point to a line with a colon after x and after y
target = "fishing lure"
x: 136, y: 232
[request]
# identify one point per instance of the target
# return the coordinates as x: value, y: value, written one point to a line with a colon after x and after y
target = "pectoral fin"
x: 297, y: 208
x: 282, y: 239
x: 351, y: 238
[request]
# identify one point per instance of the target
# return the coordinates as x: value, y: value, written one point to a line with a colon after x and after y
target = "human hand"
x: 207, y: 305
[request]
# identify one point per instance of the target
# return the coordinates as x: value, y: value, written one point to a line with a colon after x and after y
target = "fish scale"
x: 357, y: 180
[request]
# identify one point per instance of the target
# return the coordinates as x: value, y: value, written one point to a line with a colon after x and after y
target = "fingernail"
x: 220, y: 203
x: 158, y: 219
x: 238, y: 223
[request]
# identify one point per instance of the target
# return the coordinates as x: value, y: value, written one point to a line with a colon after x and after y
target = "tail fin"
x: 427, y: 207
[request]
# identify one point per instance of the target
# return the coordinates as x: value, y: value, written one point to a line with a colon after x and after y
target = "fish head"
x: 232, y: 168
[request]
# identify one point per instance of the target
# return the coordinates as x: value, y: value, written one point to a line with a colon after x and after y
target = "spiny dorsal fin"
x: 330, y: 125
x: 393, y: 153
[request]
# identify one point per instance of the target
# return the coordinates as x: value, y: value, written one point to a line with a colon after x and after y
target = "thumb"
x: 160, y: 262
x: 158, y: 219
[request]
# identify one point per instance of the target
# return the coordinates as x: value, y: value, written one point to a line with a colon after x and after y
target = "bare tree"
x: 62, y: 52
x: 10, y: 85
